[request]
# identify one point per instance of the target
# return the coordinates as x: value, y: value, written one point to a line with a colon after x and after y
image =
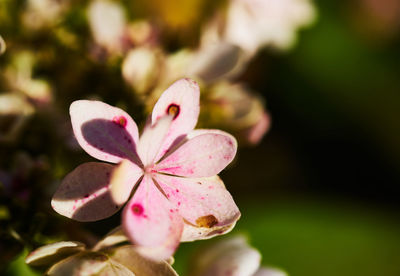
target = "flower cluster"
x: 171, y: 169
x: 165, y: 180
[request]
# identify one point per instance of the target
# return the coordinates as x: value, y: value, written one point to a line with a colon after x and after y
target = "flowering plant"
x: 171, y: 169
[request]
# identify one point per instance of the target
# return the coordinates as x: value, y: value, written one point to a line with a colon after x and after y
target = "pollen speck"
x: 206, y: 221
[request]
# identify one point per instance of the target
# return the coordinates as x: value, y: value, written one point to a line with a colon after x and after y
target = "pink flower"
x: 171, y: 171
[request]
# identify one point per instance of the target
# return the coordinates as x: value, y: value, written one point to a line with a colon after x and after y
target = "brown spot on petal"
x: 173, y: 109
x: 206, y: 221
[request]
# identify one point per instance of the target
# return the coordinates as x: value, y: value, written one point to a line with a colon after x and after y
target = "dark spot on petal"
x: 120, y: 120
x: 137, y: 209
x: 206, y: 221
x: 173, y: 109
x: 177, y: 190
x: 87, y: 195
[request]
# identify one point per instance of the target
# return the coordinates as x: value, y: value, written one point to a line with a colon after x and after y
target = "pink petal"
x: 151, y: 222
x: 255, y: 133
x: 103, y: 131
x: 202, y: 202
x: 182, y: 100
x: 152, y: 139
x: 84, y: 194
x: 123, y: 179
x: 206, y: 153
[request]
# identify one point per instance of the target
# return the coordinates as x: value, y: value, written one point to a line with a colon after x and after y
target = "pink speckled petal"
x: 84, y: 194
x: 202, y: 202
x: 181, y: 99
x: 103, y: 131
x: 206, y: 153
x: 151, y: 222
x: 152, y: 139
x: 124, y: 177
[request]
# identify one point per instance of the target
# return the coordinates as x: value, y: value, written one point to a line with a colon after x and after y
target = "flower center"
x: 149, y: 169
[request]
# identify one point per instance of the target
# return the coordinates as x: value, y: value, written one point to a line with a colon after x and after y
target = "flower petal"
x: 152, y: 139
x: 103, y: 131
x: 151, y: 222
x: 181, y: 99
x: 124, y: 177
x: 202, y: 202
x: 84, y: 194
x: 193, y: 233
x: 267, y: 271
x: 129, y: 257
x: 89, y: 263
x: 50, y: 253
x: 206, y: 153
x: 228, y: 257
x: 113, y: 238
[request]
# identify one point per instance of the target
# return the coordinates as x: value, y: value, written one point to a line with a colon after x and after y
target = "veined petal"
x: 123, y: 179
x: 50, y: 253
x: 203, y: 202
x: 84, y: 194
x: 151, y: 222
x: 103, y: 131
x: 152, y: 139
x: 203, y: 155
x: 88, y: 263
x: 182, y: 100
